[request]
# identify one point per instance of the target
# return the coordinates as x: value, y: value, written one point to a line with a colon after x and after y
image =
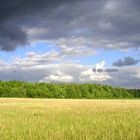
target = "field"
x: 54, y: 119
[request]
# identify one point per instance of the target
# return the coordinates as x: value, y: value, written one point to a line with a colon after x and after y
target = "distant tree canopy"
x: 79, y: 91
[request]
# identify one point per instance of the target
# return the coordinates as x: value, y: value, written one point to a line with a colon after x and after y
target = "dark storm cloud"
x: 97, y: 70
x: 109, y: 70
x: 20, y: 8
x: 16, y: 14
x: 106, y: 24
x: 127, y: 61
x: 11, y: 36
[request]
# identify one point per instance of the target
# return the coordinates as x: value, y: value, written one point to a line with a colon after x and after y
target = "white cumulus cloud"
x: 59, y: 77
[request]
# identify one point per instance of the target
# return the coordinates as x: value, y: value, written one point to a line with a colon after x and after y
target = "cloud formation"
x: 58, y: 77
x: 18, y: 14
x: 89, y: 75
x: 100, y: 68
x: 69, y: 72
x: 74, y: 29
x: 126, y: 61
x: 111, y: 24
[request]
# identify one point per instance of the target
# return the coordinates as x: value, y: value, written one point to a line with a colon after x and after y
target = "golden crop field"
x: 64, y: 119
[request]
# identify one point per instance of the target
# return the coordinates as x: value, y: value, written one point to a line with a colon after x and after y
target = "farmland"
x: 69, y: 119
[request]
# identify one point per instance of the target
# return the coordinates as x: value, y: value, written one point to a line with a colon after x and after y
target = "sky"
x: 71, y: 41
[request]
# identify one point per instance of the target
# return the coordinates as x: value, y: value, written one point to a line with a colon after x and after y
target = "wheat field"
x: 64, y: 119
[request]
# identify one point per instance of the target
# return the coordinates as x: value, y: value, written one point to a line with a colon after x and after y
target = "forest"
x: 64, y: 91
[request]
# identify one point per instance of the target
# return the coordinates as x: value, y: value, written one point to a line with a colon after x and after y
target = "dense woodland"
x: 45, y: 90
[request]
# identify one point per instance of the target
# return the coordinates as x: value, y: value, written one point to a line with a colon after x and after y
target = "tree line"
x: 79, y: 91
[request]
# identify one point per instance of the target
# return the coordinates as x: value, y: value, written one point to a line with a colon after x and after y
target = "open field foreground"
x: 51, y: 119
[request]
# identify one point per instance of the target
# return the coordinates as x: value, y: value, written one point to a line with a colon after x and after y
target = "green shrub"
x: 45, y: 90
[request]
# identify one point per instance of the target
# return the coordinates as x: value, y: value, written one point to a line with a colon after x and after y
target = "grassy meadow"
x: 69, y: 119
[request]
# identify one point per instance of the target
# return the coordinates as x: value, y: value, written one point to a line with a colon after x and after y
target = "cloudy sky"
x: 71, y: 41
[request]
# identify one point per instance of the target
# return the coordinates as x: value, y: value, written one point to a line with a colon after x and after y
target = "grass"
x: 50, y: 119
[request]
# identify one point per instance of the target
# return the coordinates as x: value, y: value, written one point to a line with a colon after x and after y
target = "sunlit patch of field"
x: 50, y: 119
